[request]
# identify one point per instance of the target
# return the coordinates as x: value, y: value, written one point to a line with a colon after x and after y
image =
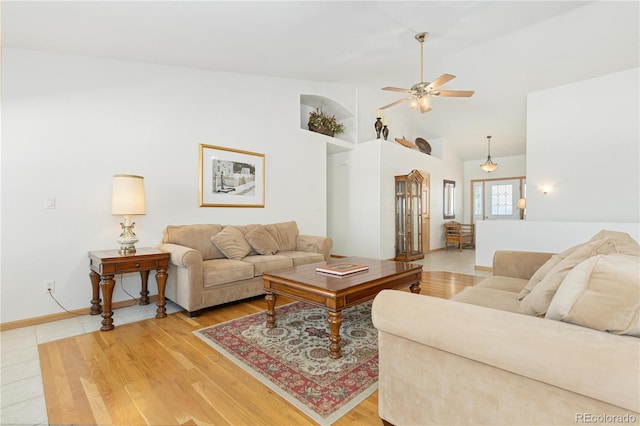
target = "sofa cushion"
x: 231, y: 242
x: 268, y: 263
x: 489, y: 298
x: 261, y: 240
x: 498, y: 282
x: 537, y: 302
x: 303, y: 257
x: 285, y: 234
x: 602, y: 293
x: 222, y: 271
x: 197, y: 237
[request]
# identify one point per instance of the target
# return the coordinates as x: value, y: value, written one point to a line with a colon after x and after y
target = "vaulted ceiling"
x: 502, y: 50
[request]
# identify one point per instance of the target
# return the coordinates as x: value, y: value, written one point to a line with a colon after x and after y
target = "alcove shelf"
x: 341, y: 142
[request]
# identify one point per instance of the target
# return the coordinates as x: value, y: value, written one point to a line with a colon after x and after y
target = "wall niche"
x: 309, y: 103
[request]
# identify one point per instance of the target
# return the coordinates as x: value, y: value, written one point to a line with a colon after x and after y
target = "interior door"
x: 500, y: 199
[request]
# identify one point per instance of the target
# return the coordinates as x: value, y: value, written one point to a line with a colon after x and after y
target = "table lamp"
x: 522, y: 204
x: 128, y: 200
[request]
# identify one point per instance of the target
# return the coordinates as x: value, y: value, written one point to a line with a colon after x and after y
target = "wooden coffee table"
x: 337, y: 293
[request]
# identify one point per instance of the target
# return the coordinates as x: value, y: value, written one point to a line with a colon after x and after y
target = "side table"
x: 104, y: 264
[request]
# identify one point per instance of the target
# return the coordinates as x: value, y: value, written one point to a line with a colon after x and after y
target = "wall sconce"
x: 546, y: 188
x: 128, y: 200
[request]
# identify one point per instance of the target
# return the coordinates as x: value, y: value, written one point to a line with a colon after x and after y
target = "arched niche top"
x: 326, y: 104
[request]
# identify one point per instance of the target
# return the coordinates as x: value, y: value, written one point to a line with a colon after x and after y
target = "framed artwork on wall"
x: 231, y: 177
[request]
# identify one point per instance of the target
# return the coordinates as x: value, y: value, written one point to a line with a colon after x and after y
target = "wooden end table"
x: 104, y: 264
x: 337, y: 293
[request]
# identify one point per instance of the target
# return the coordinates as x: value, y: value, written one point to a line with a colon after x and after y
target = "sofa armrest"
x: 182, y: 256
x: 518, y: 264
x: 587, y: 362
x: 315, y: 244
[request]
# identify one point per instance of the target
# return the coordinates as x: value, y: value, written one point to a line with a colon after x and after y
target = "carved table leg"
x: 96, y: 309
x: 161, y: 279
x: 335, y: 321
x: 415, y: 288
x: 106, y: 285
x: 144, y: 294
x: 271, y: 309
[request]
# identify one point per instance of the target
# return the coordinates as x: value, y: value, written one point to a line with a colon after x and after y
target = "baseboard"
x: 64, y: 315
x: 483, y: 268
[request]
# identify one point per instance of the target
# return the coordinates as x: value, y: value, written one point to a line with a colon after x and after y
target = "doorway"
x: 496, y: 199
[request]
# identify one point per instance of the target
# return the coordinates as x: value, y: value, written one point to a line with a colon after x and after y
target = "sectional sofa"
x: 213, y: 264
x: 547, y: 339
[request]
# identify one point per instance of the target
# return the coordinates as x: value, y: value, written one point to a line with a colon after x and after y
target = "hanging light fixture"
x: 489, y: 165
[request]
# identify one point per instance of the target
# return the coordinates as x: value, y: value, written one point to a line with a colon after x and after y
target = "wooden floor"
x: 156, y: 372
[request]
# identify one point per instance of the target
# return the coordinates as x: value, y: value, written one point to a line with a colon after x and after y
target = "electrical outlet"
x: 49, y: 285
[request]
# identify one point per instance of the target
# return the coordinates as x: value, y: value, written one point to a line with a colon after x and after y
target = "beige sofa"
x: 215, y: 264
x: 499, y: 358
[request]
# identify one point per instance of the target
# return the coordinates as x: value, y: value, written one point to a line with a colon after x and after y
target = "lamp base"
x: 128, y: 238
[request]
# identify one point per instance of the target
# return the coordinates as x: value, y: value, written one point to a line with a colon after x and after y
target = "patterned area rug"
x: 293, y: 358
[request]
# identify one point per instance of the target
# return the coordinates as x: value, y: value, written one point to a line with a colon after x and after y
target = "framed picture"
x: 231, y: 177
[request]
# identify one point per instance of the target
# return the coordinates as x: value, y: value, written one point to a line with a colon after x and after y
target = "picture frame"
x: 231, y: 177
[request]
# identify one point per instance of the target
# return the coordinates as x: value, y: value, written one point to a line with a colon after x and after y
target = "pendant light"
x: 489, y: 165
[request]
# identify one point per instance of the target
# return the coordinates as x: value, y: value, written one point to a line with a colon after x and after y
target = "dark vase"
x: 378, y: 127
x: 385, y: 132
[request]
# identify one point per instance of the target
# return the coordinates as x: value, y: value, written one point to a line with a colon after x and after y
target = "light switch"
x: 50, y: 202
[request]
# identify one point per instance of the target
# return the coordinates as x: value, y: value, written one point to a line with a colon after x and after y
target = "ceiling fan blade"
x: 441, y: 80
x: 454, y: 93
x: 396, y: 102
x: 397, y: 89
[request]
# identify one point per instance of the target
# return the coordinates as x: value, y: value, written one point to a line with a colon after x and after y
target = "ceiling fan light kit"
x: 421, y: 92
x: 489, y: 165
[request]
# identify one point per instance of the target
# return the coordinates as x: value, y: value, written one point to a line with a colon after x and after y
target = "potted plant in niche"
x: 322, y: 122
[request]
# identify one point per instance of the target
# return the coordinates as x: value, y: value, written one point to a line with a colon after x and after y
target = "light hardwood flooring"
x: 156, y: 372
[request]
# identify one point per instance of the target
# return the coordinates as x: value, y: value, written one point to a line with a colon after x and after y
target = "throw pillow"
x: 231, y: 242
x: 539, y: 275
x: 261, y: 241
x: 285, y: 234
x: 603, y: 293
x: 537, y: 302
x: 614, y: 235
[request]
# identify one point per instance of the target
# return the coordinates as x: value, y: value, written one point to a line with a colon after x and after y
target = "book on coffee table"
x: 342, y: 268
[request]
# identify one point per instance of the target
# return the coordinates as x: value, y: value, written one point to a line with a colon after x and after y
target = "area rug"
x: 293, y: 358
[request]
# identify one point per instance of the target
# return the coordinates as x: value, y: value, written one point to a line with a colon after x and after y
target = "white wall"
x: 71, y: 122
x: 361, y: 190
x: 582, y: 138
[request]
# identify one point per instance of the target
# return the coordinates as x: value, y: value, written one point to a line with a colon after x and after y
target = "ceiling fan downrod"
x: 421, y: 38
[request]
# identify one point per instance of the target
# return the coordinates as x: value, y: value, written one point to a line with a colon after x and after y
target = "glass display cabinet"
x: 408, y: 216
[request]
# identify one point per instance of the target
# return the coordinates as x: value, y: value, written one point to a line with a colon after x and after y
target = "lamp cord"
x: 135, y: 301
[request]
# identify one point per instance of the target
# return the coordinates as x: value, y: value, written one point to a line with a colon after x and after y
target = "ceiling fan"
x: 421, y: 92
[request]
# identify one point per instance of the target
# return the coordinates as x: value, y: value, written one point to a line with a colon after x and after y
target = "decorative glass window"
x: 502, y: 200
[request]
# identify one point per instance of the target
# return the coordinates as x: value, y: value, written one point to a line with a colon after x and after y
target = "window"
x: 502, y: 200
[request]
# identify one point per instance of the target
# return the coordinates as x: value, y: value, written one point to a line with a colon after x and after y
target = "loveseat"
x: 215, y: 264
x: 547, y: 339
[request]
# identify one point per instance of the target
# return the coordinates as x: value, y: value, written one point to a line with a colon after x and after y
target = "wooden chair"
x: 459, y: 233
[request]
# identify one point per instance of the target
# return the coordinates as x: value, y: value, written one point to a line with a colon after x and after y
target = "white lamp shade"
x: 128, y: 195
x: 522, y: 203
